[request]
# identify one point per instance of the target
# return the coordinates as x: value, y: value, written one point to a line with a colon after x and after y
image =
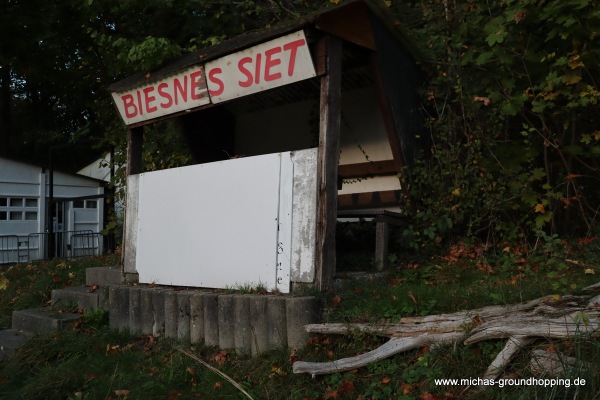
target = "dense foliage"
x: 512, y: 107
x: 511, y: 103
x: 57, y: 60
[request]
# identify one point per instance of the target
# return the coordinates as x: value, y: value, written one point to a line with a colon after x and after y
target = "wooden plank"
x: 386, y: 198
x: 327, y: 164
x: 367, y: 169
x: 391, y: 217
x: 382, y: 234
x: 320, y: 56
x: 135, y: 140
x: 353, y: 25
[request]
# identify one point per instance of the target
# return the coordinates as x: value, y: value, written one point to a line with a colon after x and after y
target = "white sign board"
x: 177, y: 93
x: 221, y: 225
x: 269, y: 65
x: 266, y: 66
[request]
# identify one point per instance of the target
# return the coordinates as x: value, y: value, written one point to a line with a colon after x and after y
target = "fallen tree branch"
x: 393, y: 346
x: 510, y: 350
x: 550, y: 317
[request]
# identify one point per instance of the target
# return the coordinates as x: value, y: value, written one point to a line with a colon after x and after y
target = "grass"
x: 30, y: 285
x: 94, y: 362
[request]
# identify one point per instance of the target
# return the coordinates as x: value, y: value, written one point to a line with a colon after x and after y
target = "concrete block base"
x: 10, y: 340
x: 42, y: 320
x: 81, y: 297
x: 246, y: 323
x: 103, y: 276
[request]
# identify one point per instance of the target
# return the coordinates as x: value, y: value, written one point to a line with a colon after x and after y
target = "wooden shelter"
x: 334, y: 94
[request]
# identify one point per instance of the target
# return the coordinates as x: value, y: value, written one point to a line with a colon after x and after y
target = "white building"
x: 77, y: 213
x: 101, y: 169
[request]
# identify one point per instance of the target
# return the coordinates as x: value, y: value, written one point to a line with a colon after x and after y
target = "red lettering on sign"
x: 271, y: 62
x: 149, y: 99
x: 292, y: 47
x: 180, y: 88
x: 129, y: 106
x: 139, y: 99
x: 244, y: 70
x: 196, y: 84
x: 214, y: 79
x: 257, y: 68
x: 253, y: 69
x: 165, y: 95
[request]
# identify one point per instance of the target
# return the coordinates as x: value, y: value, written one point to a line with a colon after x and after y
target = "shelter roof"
x: 343, y: 20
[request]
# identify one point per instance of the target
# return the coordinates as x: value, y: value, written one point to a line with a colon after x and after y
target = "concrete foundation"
x: 103, y: 276
x: 118, y: 307
x: 42, y: 320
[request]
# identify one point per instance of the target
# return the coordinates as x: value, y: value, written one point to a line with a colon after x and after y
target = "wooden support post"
x: 327, y: 164
x: 382, y: 233
x: 135, y: 139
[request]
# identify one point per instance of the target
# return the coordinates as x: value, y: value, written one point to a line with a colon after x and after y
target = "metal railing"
x: 12, y: 249
x: 83, y: 243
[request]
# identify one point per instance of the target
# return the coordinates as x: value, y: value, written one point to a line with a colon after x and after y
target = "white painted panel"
x: 210, y: 225
x: 304, y: 215
x: 131, y: 224
x: 284, y: 234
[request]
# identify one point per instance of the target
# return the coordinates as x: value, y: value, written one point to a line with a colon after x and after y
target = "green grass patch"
x: 94, y: 362
x: 29, y: 285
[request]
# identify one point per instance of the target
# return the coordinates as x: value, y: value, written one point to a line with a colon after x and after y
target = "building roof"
x: 42, y: 169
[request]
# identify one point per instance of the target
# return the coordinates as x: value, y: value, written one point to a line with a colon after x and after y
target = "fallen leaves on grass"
x: 412, y: 297
x: 221, y: 358
x: 277, y: 371
x: 335, y: 302
x: 117, y: 348
x: 407, y: 388
x: 429, y: 396
x: 121, y: 393
x: 92, y: 288
x: 347, y: 387
x: 216, y: 371
x: 293, y: 356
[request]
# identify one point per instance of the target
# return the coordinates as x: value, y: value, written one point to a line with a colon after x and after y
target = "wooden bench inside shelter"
x: 383, y: 219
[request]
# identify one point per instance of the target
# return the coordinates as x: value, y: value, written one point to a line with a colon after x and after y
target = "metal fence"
x: 12, y: 249
x: 85, y: 244
x: 35, y: 246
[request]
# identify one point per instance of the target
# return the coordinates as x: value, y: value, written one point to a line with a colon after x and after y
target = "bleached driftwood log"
x: 553, y: 364
x: 550, y: 317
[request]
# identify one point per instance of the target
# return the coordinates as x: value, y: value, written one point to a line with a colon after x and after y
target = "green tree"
x: 58, y: 59
x: 512, y: 109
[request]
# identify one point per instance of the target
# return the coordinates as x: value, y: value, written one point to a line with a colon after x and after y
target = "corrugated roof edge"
x: 377, y: 7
